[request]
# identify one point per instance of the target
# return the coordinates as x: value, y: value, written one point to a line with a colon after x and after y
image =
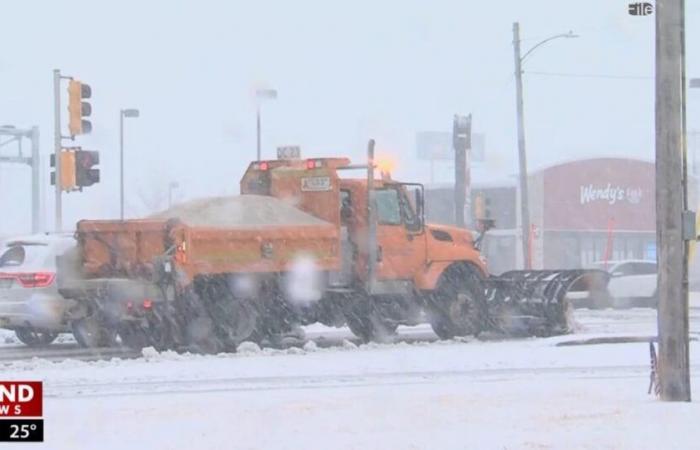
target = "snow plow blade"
x: 536, y: 302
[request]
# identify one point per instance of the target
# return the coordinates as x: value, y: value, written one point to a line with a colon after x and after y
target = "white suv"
x: 29, y: 300
x: 632, y: 282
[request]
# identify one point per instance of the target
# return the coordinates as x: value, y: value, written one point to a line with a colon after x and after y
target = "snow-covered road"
x: 422, y: 393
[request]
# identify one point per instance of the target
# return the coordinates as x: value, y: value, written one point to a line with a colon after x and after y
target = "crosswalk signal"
x: 67, y: 161
x: 77, y: 108
x: 85, y: 173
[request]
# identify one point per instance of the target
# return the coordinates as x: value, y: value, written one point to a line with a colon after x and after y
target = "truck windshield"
x: 388, y: 209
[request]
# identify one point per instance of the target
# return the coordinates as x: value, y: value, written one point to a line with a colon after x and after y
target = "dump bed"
x: 248, y: 233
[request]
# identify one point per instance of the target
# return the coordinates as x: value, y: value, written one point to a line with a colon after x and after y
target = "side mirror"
x: 484, y: 225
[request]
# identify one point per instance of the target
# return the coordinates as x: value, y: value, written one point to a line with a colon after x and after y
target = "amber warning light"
x: 21, y: 399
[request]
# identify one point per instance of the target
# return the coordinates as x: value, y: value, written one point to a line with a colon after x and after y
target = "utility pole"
x: 57, y: 145
x: 522, y: 158
x: 671, y: 202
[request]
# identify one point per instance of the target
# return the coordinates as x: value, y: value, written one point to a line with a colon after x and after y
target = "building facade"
x: 580, y: 212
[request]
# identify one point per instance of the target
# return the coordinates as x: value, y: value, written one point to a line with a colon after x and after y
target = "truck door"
x: 400, y: 234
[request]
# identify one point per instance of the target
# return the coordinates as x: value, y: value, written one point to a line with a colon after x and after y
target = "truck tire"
x: 371, y: 329
x: 133, y: 336
x: 365, y: 321
x: 91, y: 332
x: 33, y: 338
x: 458, y: 306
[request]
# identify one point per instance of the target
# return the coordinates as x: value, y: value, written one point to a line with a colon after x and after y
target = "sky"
x: 344, y: 71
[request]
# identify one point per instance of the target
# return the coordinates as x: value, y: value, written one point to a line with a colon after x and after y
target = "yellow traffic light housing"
x: 77, y: 108
x: 479, y: 207
x: 68, y: 176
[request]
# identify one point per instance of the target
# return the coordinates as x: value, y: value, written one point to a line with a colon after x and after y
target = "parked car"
x: 29, y: 300
x: 632, y: 282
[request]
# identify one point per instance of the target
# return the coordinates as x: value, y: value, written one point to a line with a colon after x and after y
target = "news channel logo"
x: 640, y: 9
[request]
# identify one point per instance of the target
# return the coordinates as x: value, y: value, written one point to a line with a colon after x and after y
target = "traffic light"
x: 67, y: 161
x: 85, y: 174
x: 78, y: 109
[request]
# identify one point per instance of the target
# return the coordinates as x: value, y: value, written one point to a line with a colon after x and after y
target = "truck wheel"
x: 458, y: 307
x: 33, y: 338
x: 90, y: 332
x: 133, y: 336
x: 371, y: 328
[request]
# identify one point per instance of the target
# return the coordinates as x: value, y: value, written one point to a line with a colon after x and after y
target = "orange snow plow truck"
x: 299, y: 245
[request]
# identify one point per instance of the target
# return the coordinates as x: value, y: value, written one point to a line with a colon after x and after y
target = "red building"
x: 580, y: 212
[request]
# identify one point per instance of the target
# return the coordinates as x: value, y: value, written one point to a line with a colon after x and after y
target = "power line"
x: 590, y: 75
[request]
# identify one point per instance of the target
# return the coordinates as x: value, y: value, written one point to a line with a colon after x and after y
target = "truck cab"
x: 392, y: 265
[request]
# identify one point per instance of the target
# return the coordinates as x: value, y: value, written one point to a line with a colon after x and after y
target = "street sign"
x: 289, y: 152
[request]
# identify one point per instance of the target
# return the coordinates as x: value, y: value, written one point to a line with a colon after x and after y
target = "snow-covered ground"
x: 528, y: 393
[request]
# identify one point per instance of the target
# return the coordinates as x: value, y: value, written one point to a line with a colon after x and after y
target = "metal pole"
x: 522, y: 156
x: 371, y: 220
x: 258, y: 129
x: 460, y: 184
x: 36, y: 181
x: 57, y: 146
x: 674, y: 360
x: 121, y: 164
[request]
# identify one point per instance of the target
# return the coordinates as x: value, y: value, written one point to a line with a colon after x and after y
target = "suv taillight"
x: 35, y: 279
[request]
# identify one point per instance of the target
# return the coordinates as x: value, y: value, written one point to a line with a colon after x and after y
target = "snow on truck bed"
x: 239, y: 211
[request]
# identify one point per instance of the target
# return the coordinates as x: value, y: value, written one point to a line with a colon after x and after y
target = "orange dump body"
x: 205, y: 251
x: 113, y: 248
x: 129, y: 249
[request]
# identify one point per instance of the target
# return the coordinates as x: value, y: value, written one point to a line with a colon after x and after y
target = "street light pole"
x: 522, y: 157
x: 122, y: 114
x: 260, y: 95
x: 522, y: 154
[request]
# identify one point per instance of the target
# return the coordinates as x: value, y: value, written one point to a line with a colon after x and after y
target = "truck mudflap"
x: 535, y: 302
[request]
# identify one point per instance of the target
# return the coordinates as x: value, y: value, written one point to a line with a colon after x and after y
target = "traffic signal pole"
x: 671, y: 203
x: 57, y: 146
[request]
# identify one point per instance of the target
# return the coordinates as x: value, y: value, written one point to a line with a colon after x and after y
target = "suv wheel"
x: 33, y: 338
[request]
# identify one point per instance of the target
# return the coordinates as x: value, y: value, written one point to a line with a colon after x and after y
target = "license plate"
x: 315, y: 184
x: 6, y: 283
